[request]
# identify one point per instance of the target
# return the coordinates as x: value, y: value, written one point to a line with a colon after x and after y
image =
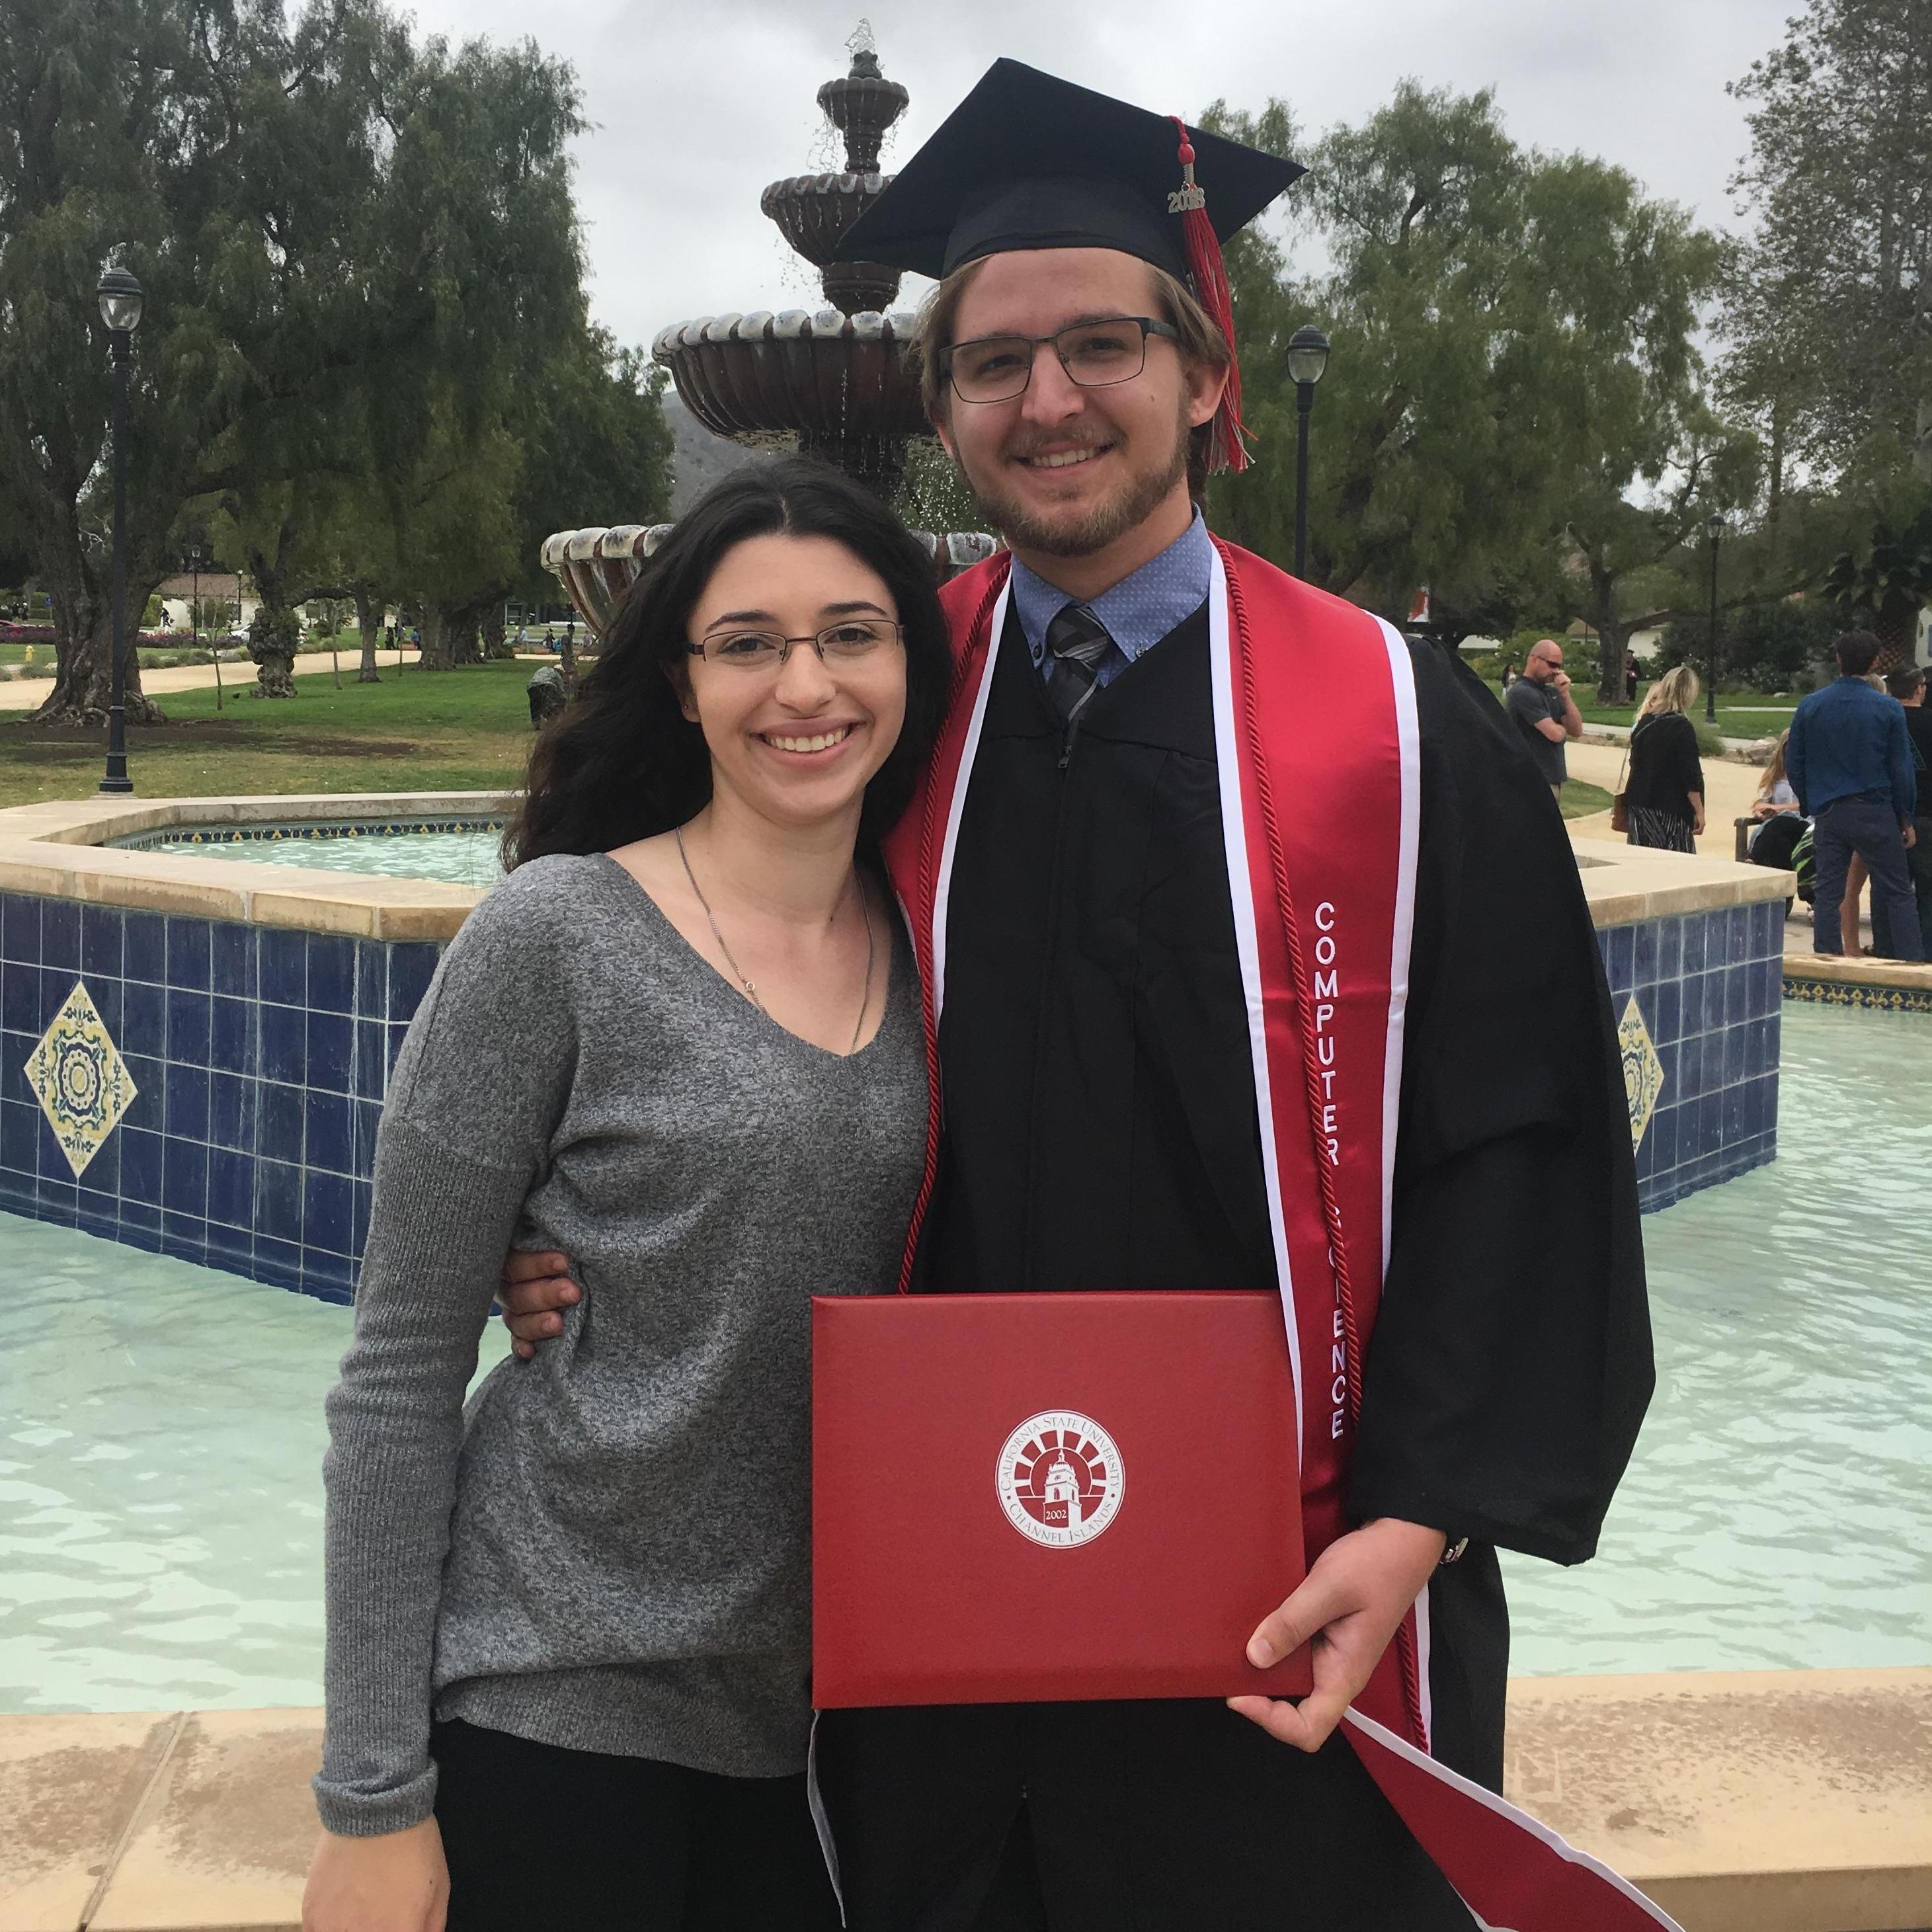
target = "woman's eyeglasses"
x: 850, y: 642
x: 1095, y: 354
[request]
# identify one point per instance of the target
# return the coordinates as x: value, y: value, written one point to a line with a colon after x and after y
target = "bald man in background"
x: 1545, y: 712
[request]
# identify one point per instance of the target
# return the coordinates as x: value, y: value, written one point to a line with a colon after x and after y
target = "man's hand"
x: 1910, y: 832
x: 396, y: 1882
x: 1561, y: 682
x: 535, y: 1289
x: 1349, y: 1605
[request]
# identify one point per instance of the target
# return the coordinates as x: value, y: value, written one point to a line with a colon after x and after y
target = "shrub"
x: 1768, y: 647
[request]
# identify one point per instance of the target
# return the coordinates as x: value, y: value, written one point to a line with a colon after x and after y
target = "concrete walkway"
x: 1765, y: 1801
x: 1729, y: 790
x: 28, y: 694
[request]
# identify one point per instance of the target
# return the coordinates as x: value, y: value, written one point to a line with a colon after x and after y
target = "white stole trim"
x: 1231, y: 758
x: 1409, y: 741
x: 955, y: 809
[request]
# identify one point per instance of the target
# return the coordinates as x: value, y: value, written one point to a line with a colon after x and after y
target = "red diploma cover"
x: 1045, y: 1498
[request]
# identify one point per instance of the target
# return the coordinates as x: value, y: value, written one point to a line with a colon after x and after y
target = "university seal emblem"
x: 1059, y: 1479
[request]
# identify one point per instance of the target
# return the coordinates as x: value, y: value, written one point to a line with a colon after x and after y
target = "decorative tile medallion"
x: 1643, y: 1072
x: 82, y: 1082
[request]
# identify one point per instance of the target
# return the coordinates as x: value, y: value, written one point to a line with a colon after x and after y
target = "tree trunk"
x: 1922, y: 443
x: 365, y: 624
x: 1612, y: 647
x: 435, y: 640
x: 494, y: 645
x: 464, y: 633
x: 84, y: 677
x: 273, y: 635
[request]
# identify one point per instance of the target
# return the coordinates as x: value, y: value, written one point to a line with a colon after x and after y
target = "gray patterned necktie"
x: 1076, y: 641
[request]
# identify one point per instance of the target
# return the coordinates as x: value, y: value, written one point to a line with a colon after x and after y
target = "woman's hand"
x: 533, y: 1293
x: 1696, y: 799
x: 396, y: 1882
x: 1348, y: 1606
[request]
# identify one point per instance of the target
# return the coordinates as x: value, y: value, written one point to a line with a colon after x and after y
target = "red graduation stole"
x: 1314, y: 725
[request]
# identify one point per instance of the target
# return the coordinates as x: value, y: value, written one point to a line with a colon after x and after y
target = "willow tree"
x: 1512, y: 335
x: 1828, y: 320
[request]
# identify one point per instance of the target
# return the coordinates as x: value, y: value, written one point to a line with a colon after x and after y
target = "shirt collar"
x: 1140, y: 610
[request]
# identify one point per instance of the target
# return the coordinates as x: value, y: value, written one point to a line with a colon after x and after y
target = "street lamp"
x: 1307, y: 359
x: 1713, y: 532
x: 120, y: 300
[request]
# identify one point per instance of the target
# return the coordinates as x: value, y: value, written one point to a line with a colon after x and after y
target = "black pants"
x: 1871, y: 829
x: 1919, y: 867
x: 1172, y: 1817
x: 542, y: 1840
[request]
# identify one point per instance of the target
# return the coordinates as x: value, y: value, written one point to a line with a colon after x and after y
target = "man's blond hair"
x: 1200, y: 341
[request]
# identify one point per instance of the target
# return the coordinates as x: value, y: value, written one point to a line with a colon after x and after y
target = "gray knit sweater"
x: 608, y: 1548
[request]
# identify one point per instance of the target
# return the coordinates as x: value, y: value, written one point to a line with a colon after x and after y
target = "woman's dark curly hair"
x: 622, y: 761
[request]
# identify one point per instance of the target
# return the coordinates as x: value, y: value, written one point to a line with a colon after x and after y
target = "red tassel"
x: 1227, y: 448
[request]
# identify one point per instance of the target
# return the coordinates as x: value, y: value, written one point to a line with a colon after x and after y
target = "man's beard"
x: 1139, y: 497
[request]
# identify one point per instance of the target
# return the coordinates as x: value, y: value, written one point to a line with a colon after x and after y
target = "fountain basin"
x: 596, y: 566
x: 839, y: 382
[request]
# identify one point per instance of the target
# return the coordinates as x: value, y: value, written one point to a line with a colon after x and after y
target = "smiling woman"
x: 690, y: 970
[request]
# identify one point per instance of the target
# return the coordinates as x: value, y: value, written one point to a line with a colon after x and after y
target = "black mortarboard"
x: 1027, y: 160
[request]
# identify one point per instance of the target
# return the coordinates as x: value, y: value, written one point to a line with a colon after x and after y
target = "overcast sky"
x: 697, y: 105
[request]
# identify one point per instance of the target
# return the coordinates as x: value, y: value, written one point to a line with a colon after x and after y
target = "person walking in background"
x: 1545, y: 712
x: 1665, y: 797
x: 1909, y: 687
x: 1849, y: 759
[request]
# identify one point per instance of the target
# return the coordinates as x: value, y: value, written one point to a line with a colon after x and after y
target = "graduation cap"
x: 1027, y: 160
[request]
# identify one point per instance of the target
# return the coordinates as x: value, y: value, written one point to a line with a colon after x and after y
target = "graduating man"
x: 1254, y: 957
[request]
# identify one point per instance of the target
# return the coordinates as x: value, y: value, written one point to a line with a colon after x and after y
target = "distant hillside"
x: 698, y: 458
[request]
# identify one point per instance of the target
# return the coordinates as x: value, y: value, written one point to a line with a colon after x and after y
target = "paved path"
x: 1729, y: 790
x: 28, y: 694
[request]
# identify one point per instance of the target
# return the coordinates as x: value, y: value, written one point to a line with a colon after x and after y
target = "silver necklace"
x: 751, y: 991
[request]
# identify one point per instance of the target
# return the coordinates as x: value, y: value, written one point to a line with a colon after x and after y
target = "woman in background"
x: 1665, y: 798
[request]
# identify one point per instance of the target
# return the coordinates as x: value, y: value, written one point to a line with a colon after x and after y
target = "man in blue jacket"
x: 1850, y: 760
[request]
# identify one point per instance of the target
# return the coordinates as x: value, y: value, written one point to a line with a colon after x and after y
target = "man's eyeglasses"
x: 848, y: 643
x: 1095, y: 354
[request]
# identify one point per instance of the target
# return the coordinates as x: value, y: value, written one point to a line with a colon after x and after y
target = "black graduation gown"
x: 1100, y: 1131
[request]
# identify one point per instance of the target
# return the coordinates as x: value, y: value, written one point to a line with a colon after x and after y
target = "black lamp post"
x: 120, y: 300
x: 1713, y: 532
x: 1307, y: 359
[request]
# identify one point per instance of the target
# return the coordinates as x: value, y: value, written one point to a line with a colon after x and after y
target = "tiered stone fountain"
x: 836, y: 378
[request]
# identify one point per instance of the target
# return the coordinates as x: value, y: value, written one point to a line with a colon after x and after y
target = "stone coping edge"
x: 1749, y: 1801
x: 1835, y: 969
x: 62, y: 850
x: 58, y: 850
x: 1625, y: 883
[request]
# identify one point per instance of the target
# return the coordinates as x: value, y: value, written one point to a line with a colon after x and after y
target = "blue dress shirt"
x: 1849, y: 741
x: 1139, y: 611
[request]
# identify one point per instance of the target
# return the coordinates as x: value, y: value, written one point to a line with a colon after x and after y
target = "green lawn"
x: 1741, y: 714
x: 456, y: 730
x: 1580, y: 800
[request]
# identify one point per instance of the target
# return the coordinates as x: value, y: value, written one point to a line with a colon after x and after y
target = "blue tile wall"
x: 1710, y: 987
x: 261, y: 1058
